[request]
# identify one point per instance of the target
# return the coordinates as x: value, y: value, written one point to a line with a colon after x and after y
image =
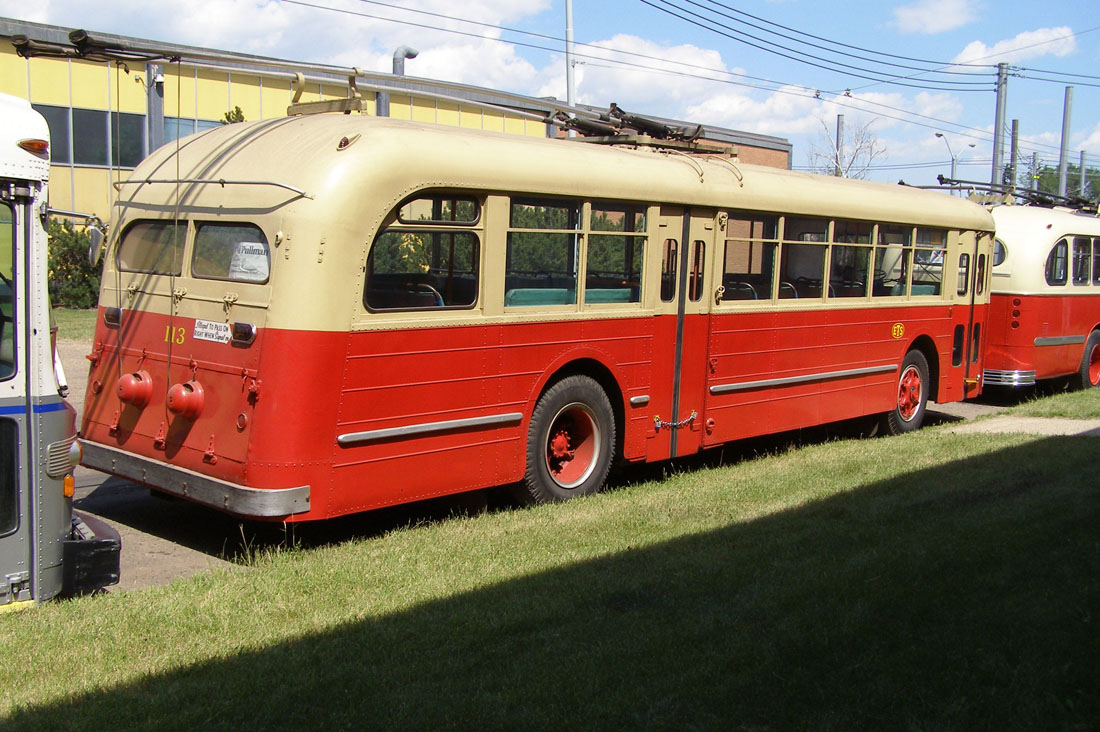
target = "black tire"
x: 570, y: 441
x: 1088, y: 375
x: 908, y: 411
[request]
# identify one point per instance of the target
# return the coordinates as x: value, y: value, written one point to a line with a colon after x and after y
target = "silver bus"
x: 45, y: 549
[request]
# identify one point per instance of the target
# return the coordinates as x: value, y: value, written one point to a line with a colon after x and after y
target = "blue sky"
x: 697, y: 74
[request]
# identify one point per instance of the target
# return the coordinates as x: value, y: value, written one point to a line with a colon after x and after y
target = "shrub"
x: 73, y: 282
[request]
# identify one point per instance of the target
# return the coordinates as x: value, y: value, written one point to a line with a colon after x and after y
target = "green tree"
x: 73, y: 282
x: 1047, y: 176
x: 234, y: 115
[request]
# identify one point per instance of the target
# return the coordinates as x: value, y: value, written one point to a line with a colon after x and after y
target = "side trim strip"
x: 220, y: 494
x: 791, y: 380
x: 1059, y: 340
x: 429, y: 428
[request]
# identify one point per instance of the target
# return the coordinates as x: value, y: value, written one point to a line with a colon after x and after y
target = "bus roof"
x: 338, y: 159
x: 21, y: 122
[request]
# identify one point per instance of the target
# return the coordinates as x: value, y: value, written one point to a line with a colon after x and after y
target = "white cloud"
x: 935, y: 16
x: 1059, y: 42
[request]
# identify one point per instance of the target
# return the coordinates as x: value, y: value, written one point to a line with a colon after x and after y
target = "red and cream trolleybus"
x: 317, y: 315
x: 1044, y: 310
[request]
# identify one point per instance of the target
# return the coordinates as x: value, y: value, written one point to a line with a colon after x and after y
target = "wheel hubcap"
x: 572, y: 445
x: 909, y: 393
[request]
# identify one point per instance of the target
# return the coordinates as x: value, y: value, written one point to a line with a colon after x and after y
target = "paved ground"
x: 164, y: 539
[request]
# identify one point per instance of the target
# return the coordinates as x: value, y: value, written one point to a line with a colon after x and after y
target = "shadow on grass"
x: 960, y: 597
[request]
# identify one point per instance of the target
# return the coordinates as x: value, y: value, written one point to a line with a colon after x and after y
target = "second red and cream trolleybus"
x: 318, y: 315
x: 1044, y: 319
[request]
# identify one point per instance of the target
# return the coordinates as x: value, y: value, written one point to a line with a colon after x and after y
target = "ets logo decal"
x: 898, y: 331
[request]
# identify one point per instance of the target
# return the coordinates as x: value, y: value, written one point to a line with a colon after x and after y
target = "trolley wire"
x: 856, y: 72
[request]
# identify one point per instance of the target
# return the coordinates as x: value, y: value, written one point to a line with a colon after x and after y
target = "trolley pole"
x: 1067, y: 113
x: 999, y: 124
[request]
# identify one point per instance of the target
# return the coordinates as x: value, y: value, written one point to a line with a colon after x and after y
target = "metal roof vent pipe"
x: 382, y: 99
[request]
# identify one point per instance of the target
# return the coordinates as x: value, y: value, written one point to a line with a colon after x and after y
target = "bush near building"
x: 73, y: 282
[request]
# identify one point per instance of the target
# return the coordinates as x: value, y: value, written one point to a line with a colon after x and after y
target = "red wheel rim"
x: 572, y: 445
x: 1094, y: 366
x: 909, y: 393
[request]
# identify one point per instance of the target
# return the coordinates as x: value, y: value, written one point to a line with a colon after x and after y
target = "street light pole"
x: 954, y: 160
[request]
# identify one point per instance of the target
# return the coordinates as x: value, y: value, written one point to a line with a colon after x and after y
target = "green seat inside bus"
x: 540, y: 296
x: 606, y: 295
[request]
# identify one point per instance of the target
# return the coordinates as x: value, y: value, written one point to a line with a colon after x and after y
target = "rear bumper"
x: 219, y: 494
x: 993, y: 377
x: 90, y: 557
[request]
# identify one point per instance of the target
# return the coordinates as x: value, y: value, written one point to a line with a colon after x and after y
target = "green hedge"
x: 73, y: 282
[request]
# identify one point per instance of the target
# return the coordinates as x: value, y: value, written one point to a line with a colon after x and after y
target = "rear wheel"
x: 570, y: 441
x: 1089, y: 373
x: 908, y: 412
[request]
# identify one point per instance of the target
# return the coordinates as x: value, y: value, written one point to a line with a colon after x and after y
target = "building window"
x: 90, y: 137
x: 58, y: 120
x: 177, y: 127
x: 91, y: 133
x: 127, y: 139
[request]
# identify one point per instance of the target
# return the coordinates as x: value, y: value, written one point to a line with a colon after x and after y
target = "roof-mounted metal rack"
x: 1001, y: 192
x: 209, y: 181
x: 616, y: 126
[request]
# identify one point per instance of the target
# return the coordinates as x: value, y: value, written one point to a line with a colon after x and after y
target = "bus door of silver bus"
x: 18, y: 509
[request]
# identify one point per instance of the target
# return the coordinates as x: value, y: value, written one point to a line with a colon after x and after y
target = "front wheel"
x: 1089, y: 373
x: 912, y: 395
x: 570, y: 441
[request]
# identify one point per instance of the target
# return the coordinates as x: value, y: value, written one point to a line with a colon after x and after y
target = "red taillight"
x: 136, y: 389
x: 186, y: 399
x: 39, y: 148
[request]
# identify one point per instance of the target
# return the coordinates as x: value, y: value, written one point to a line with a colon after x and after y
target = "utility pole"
x: 1014, y: 150
x: 839, y: 145
x: 999, y: 124
x: 1067, y: 113
x: 1034, y: 171
x: 570, y: 82
x: 1082, y: 191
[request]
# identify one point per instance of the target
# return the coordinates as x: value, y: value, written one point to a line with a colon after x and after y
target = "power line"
x: 857, y: 72
x: 819, y: 46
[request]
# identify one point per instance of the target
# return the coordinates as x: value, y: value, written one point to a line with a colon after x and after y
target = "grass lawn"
x: 927, y: 582
x: 75, y: 325
x: 1054, y: 402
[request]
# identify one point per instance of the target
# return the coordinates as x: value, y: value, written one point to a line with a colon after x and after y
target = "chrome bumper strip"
x: 351, y: 439
x: 826, y: 376
x: 220, y: 494
x: 995, y: 377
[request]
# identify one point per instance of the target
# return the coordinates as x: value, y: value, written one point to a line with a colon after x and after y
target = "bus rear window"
x: 155, y: 247
x: 236, y: 252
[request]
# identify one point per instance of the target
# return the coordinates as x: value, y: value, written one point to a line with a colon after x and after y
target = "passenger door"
x: 686, y: 242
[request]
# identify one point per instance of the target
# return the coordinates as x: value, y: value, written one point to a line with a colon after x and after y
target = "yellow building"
x: 111, y: 100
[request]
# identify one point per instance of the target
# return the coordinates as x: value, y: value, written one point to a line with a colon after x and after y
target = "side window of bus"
x: 893, y: 258
x: 749, y: 258
x: 964, y: 274
x: 541, y: 264
x: 802, y: 266
x: 980, y: 277
x: 1096, y: 261
x: 1082, y: 260
x: 236, y: 252
x: 9, y: 481
x: 616, y: 250
x: 7, y: 291
x: 849, y: 259
x: 154, y: 247
x: 928, y: 262
x: 1056, y: 263
x: 669, y: 256
x: 1000, y: 253
x: 422, y: 269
